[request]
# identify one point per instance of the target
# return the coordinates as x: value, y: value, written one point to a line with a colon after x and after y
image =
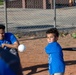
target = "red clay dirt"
x: 34, y: 60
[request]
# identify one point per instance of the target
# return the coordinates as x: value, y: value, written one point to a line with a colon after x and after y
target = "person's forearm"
x: 11, y: 46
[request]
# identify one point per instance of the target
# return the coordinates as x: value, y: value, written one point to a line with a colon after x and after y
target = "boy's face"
x: 2, y: 32
x: 51, y: 37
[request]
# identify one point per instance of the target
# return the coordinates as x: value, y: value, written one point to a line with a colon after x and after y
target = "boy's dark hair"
x: 2, y: 26
x: 54, y: 31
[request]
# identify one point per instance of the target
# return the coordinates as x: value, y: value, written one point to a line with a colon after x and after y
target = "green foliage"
x: 73, y: 35
x: 1, y: 2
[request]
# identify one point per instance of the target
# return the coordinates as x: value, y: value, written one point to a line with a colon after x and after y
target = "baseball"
x: 21, y: 48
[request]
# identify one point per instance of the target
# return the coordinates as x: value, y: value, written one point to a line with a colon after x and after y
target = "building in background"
x: 42, y: 4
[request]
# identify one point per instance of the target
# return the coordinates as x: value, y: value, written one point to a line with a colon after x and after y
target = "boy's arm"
x: 14, y: 42
x: 49, y: 49
x: 14, y: 45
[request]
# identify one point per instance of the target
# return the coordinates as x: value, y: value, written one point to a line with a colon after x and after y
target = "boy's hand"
x: 3, y: 45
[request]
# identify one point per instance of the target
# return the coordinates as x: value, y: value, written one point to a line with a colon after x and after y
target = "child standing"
x: 54, y: 51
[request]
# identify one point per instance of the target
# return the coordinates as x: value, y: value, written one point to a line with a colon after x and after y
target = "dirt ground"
x: 34, y: 60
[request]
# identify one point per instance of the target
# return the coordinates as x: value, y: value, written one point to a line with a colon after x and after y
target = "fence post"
x: 5, y: 16
x: 54, y: 13
x: 44, y: 4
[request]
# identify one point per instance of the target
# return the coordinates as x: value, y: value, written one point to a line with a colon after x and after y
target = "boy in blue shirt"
x: 7, y: 40
x: 54, y: 51
x: 10, y: 44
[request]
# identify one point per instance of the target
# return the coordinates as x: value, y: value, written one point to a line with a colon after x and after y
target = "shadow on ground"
x: 34, y: 68
x: 45, y: 66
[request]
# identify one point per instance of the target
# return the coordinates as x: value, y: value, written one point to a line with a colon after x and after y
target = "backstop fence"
x: 35, y: 21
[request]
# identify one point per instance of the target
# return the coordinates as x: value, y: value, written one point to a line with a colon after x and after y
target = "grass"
x: 1, y: 2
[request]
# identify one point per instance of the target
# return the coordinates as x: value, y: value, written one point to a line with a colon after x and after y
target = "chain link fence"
x: 35, y: 21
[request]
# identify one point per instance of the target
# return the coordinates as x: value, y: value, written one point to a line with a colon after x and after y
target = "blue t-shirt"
x: 56, y: 61
x: 9, y: 39
x: 4, y: 69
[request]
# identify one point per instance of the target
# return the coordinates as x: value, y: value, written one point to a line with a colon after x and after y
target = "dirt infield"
x: 35, y: 61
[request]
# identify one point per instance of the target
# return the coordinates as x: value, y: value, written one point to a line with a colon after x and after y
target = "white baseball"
x: 21, y: 48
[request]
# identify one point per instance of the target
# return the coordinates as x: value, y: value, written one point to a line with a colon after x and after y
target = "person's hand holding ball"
x: 21, y: 48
